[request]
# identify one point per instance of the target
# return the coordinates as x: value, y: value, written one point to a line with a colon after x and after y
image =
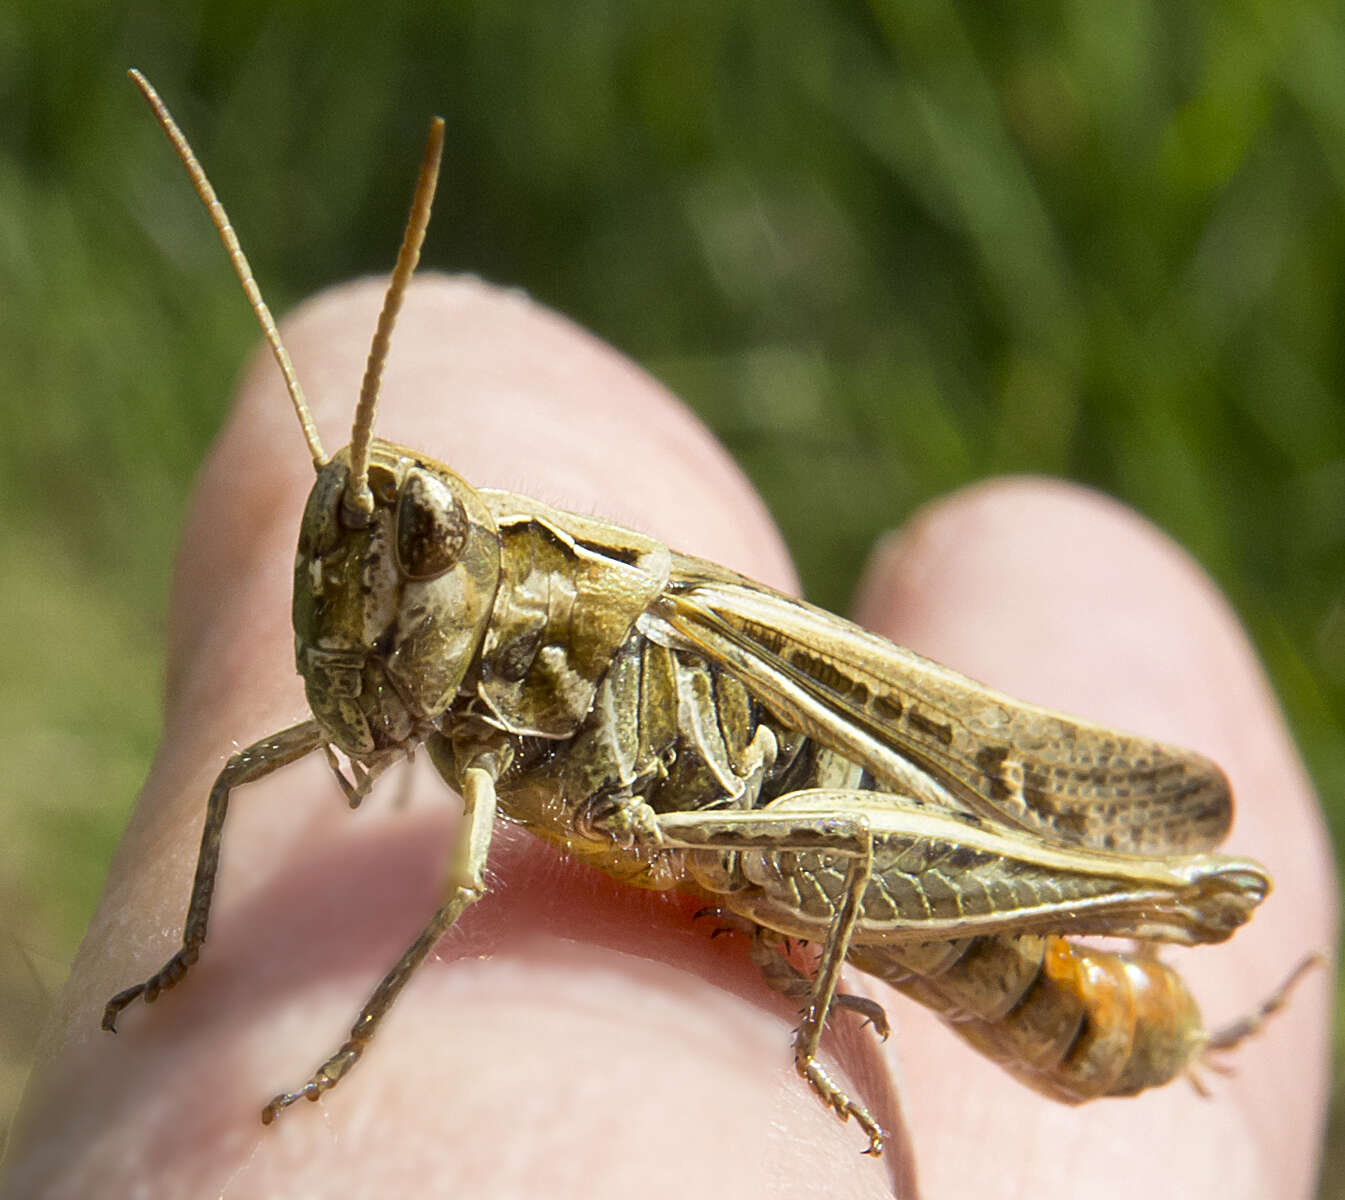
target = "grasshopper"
x: 681, y: 727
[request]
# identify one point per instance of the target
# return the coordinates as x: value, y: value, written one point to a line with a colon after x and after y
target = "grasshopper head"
x: 398, y: 560
x: 390, y: 606
x: 398, y: 557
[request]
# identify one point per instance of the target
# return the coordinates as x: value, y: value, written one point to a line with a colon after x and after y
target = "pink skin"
x: 572, y: 1037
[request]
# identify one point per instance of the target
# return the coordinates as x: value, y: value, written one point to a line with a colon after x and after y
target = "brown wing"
x: 932, y: 733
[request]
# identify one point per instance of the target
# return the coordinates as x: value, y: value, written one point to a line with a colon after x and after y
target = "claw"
x: 117, y: 1003
x: 870, y: 1012
x: 841, y: 1104
x: 312, y: 1090
x: 167, y: 976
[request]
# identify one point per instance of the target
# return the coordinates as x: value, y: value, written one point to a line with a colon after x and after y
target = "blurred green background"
x: 884, y: 249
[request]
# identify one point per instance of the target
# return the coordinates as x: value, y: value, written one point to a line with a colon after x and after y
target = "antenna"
x: 358, y: 496
x: 220, y: 219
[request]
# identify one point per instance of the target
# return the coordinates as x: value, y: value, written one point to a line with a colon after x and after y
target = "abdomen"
x: 1068, y: 1020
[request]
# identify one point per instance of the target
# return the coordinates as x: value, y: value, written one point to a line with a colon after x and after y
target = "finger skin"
x: 570, y: 1037
x: 1061, y: 596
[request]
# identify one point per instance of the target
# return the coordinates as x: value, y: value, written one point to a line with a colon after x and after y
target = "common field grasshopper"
x: 681, y: 727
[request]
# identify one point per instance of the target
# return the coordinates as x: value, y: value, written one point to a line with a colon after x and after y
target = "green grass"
x: 884, y: 249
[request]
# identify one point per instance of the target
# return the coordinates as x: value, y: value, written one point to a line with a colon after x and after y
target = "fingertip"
x: 1061, y: 596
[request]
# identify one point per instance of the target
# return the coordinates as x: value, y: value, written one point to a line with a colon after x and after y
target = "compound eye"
x: 431, y: 527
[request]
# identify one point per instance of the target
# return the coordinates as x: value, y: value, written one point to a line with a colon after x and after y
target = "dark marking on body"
x: 991, y: 759
x: 622, y: 554
x: 513, y: 659
x: 965, y: 858
x: 888, y: 708
x: 938, y: 730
